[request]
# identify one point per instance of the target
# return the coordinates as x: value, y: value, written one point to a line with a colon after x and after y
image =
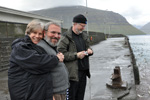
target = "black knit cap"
x: 80, y: 19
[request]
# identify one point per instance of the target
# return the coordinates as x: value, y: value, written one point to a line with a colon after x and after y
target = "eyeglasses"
x: 54, y: 32
x: 83, y: 25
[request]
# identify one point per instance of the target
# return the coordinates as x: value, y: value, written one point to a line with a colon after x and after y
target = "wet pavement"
x: 4, y: 94
x: 107, y: 55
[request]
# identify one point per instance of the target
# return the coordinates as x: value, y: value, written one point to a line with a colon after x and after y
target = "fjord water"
x: 141, y: 48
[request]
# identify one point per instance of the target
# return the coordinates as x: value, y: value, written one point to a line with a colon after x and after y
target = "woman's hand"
x: 60, y: 57
x: 53, y: 98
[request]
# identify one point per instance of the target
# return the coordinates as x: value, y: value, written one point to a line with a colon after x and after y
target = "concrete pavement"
x: 108, y: 54
x: 4, y: 94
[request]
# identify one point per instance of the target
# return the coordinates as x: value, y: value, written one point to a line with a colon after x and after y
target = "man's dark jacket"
x: 68, y: 47
x: 29, y: 73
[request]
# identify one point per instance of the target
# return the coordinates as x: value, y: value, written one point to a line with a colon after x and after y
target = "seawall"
x: 135, y: 67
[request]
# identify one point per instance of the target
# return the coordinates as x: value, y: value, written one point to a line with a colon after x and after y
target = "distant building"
x: 13, y: 22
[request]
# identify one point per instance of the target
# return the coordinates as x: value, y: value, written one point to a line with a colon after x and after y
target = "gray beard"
x: 49, y: 41
x: 78, y: 32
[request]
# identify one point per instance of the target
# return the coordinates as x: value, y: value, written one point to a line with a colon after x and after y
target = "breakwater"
x: 135, y: 68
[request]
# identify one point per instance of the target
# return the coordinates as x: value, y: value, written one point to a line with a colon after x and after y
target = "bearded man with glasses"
x: 74, y: 44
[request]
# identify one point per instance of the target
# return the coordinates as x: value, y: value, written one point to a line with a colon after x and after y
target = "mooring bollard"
x: 116, y: 80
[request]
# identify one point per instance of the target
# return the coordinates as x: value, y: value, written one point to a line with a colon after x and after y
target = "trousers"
x: 76, y: 90
x: 59, y: 96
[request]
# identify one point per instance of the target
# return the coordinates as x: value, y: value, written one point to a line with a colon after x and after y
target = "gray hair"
x: 50, y: 23
x: 33, y: 25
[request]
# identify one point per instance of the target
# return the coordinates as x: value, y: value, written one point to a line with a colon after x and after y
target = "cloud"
x: 136, y: 16
x: 132, y: 12
x: 29, y: 5
x: 135, y: 11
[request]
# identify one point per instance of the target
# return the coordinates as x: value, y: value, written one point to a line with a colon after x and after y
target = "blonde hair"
x: 33, y: 25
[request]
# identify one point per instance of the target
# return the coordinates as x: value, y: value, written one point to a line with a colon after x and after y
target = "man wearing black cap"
x: 74, y: 44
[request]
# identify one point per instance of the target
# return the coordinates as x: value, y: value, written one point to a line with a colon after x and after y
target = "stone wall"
x: 135, y: 67
x: 5, y: 49
x: 96, y: 37
x: 10, y: 31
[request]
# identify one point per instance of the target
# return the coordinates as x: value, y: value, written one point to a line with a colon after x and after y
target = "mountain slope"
x: 98, y: 20
x: 146, y: 28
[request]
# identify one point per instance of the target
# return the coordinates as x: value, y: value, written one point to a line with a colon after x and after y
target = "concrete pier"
x: 107, y: 55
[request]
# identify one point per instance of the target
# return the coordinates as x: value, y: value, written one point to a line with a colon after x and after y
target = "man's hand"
x: 90, y: 51
x: 81, y: 54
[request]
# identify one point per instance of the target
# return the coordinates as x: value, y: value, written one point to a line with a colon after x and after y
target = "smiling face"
x: 35, y: 31
x: 36, y: 35
x: 53, y: 34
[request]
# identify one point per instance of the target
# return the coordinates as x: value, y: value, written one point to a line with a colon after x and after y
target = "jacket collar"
x: 54, y: 47
x: 28, y: 39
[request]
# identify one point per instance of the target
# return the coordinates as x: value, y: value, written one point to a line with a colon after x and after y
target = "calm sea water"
x: 141, y: 48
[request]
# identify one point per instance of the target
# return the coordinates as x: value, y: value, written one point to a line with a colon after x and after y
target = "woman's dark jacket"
x: 29, y: 75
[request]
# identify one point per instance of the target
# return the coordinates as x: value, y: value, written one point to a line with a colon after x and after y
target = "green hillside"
x: 146, y: 28
x: 98, y: 20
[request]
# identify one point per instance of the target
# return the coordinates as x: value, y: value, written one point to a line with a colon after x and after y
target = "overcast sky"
x: 135, y: 11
